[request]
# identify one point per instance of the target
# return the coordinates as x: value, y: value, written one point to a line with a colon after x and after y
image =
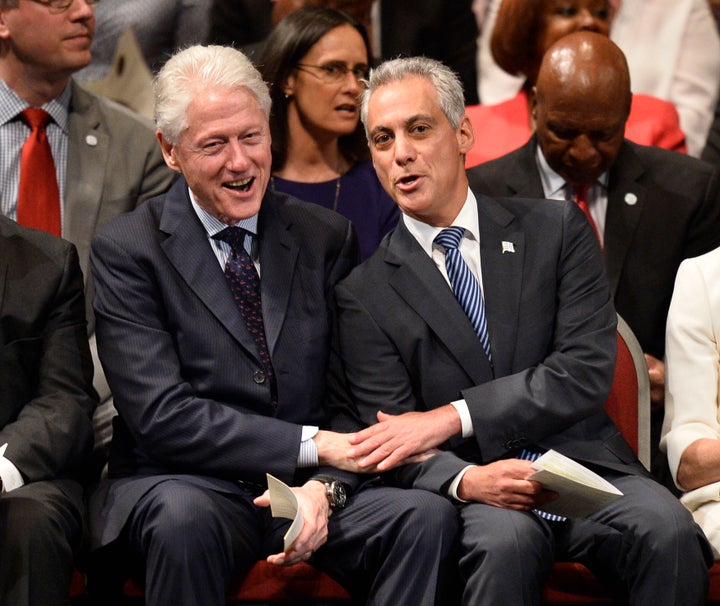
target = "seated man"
x: 651, y: 208
x: 214, y: 309
x: 485, y: 325
x: 46, y: 401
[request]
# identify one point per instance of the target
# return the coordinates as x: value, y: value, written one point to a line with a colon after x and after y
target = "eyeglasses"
x: 59, y: 6
x: 336, y: 71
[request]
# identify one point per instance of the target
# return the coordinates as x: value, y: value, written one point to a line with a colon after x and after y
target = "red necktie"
x: 38, y: 194
x: 581, y: 192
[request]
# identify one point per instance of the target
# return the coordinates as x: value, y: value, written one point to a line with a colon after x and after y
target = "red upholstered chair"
x: 265, y: 583
x: 629, y: 406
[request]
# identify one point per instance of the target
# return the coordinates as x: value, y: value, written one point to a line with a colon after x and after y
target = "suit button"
x: 259, y: 377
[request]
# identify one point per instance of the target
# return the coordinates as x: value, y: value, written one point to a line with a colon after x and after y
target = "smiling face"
x: 418, y: 156
x: 319, y: 104
x: 224, y: 154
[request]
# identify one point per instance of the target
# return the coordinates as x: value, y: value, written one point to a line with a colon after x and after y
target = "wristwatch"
x: 334, y: 491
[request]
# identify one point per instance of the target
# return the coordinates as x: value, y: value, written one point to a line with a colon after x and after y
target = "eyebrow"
x: 407, y: 123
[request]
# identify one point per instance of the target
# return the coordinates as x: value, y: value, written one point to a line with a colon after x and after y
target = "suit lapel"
x: 88, y: 156
x: 188, y: 250
x: 278, y: 257
x: 626, y: 199
x: 523, y: 177
x: 423, y: 288
x: 502, y: 250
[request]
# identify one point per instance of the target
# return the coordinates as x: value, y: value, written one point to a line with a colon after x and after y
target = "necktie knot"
x: 35, y: 117
x: 234, y: 236
x: 581, y: 194
x: 450, y: 237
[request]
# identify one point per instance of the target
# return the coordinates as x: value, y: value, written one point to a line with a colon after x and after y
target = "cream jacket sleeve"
x: 692, y: 357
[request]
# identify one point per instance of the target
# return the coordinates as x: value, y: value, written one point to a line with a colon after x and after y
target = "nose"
x: 82, y: 9
x: 587, y: 21
x: 236, y: 157
x: 583, y: 152
x: 404, y: 150
x: 352, y: 83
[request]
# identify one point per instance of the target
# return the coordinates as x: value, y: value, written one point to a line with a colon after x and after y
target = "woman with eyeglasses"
x: 315, y: 60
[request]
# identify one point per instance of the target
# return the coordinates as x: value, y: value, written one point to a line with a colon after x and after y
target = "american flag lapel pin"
x: 507, y: 247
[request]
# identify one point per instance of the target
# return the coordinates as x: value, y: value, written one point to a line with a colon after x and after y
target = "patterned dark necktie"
x: 244, y: 282
x: 465, y: 287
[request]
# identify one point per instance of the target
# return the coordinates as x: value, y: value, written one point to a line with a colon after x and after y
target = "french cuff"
x: 308, y: 455
x: 452, y: 490
x: 468, y: 431
x: 11, y: 477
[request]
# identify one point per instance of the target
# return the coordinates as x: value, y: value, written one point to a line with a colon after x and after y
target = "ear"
x: 4, y: 27
x: 465, y: 135
x: 168, y: 152
x: 289, y: 86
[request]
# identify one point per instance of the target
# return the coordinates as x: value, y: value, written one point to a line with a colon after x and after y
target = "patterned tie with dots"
x: 244, y: 282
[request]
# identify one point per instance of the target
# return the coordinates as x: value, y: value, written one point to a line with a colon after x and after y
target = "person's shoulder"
x: 305, y: 215
x: 116, y: 117
x: 653, y: 157
x: 27, y: 248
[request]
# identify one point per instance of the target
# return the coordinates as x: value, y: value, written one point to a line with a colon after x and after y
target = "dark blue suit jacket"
x: 178, y: 357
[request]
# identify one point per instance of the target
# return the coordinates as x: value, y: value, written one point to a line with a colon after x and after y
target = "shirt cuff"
x: 308, y: 455
x: 11, y: 477
x: 468, y: 431
x: 452, y: 491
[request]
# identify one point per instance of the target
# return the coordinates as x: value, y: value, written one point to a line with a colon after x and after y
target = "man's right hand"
x: 504, y: 484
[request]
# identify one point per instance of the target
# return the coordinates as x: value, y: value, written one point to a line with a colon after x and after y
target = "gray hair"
x: 189, y: 71
x: 446, y: 83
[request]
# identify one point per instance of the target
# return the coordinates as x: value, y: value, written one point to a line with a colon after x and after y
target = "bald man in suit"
x: 651, y: 208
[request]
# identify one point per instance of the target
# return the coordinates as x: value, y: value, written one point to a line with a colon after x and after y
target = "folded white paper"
x: 581, y: 490
x: 283, y: 504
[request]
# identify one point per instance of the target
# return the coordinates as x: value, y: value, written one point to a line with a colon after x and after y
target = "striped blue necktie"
x: 464, y: 285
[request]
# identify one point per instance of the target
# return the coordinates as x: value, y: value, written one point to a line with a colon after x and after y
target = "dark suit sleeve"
x: 52, y: 436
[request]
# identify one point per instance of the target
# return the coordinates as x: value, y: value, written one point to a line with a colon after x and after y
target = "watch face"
x: 338, y: 497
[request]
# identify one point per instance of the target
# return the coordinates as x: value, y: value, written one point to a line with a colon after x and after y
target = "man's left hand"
x: 315, y: 510
x: 396, y: 438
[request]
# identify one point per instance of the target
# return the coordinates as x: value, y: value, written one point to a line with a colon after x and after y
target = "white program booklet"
x: 283, y: 504
x: 581, y: 490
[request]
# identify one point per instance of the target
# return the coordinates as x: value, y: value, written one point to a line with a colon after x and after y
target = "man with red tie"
x: 70, y: 160
x: 651, y: 208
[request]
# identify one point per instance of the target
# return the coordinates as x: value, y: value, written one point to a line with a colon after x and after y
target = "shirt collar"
x: 214, y: 226
x: 467, y: 218
x: 11, y: 105
x: 553, y: 184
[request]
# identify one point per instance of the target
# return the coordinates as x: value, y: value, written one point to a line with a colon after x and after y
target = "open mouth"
x: 348, y: 108
x: 408, y: 180
x: 241, y: 185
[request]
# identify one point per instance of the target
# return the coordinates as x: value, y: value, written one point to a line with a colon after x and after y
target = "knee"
x: 177, y: 517
x: 33, y: 523
x: 429, y: 518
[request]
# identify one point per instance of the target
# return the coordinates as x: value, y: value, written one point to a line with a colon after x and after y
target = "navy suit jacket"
x: 406, y: 343
x: 180, y: 362
x: 675, y: 215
